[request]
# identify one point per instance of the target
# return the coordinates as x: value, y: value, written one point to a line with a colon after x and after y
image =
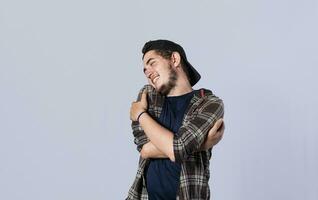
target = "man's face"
x: 159, y: 72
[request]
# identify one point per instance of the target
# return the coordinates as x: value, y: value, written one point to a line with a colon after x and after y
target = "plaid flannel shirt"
x: 204, y: 110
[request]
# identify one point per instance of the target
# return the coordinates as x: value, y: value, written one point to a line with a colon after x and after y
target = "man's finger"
x: 144, y: 95
x: 220, y: 132
x: 223, y: 127
x: 217, y: 124
x: 214, y: 131
x: 217, y: 129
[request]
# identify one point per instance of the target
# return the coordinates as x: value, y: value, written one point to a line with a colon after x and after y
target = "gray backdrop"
x: 69, y: 71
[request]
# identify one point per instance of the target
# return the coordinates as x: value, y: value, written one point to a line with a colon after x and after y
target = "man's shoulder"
x: 209, y: 101
x: 207, y: 94
x: 148, y: 88
x: 151, y: 92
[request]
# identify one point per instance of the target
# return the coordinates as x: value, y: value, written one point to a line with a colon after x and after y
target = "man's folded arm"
x: 149, y: 150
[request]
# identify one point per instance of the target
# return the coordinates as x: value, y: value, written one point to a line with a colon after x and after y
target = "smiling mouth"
x: 153, y: 78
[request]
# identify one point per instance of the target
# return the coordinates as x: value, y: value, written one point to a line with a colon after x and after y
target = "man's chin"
x: 163, y: 90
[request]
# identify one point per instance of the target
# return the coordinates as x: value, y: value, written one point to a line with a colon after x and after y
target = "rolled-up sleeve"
x: 192, y: 134
x: 140, y: 137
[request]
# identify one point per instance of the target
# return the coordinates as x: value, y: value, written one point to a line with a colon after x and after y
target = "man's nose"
x: 148, y: 72
x: 148, y: 75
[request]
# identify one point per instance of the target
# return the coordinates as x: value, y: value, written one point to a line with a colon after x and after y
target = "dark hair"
x: 165, y: 48
x: 166, y: 54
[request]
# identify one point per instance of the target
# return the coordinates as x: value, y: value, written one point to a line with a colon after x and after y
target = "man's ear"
x: 176, y: 59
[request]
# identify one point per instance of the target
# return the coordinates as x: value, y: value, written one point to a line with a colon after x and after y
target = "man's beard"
x: 166, y: 88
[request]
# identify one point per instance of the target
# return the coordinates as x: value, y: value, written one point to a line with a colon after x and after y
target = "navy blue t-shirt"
x: 163, y: 175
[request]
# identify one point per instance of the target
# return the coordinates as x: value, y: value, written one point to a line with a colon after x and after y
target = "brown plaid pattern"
x: 200, y: 116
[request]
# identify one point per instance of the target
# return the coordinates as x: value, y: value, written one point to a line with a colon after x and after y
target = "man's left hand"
x: 138, y: 107
x: 214, y: 136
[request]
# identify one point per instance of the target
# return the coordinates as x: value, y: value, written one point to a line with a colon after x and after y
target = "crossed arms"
x: 153, y: 140
x: 149, y: 150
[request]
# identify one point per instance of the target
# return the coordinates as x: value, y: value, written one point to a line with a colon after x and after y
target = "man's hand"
x: 214, y: 136
x: 138, y: 107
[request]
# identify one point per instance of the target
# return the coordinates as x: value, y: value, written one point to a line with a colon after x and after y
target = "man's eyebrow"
x: 148, y: 63
x: 149, y: 60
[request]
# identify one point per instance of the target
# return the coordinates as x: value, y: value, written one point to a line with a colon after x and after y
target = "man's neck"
x: 182, y: 86
x: 179, y: 90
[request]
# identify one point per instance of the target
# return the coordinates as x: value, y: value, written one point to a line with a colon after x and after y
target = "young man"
x: 173, y: 127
